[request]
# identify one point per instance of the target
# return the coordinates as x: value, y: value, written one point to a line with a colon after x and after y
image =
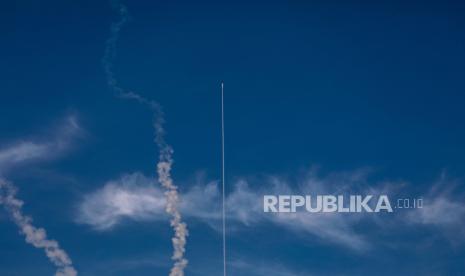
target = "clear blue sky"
x: 349, y: 92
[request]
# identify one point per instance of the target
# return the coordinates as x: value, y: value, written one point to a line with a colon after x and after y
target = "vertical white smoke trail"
x: 35, y: 236
x: 164, y: 177
x: 110, y: 49
x: 165, y: 160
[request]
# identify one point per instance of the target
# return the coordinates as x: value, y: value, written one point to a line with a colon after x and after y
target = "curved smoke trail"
x: 165, y: 160
x: 35, y: 236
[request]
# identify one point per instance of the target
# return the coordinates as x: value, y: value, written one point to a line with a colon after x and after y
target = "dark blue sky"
x: 343, y: 86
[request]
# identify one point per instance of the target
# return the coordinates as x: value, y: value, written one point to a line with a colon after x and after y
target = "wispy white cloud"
x: 51, y: 146
x: 132, y: 196
x: 245, y: 205
x: 440, y: 211
x: 138, y: 198
x: 443, y: 208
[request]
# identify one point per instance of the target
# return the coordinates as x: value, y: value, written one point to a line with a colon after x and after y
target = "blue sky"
x: 318, y: 97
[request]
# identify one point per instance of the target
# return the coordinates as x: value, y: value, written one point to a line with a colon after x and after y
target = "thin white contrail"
x: 223, y: 177
x: 165, y: 158
x: 35, y: 236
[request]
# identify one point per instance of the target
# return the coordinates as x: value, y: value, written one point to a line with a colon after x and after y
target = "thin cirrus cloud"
x: 139, y: 198
x: 132, y: 196
x: 444, y: 209
x: 24, y: 151
x: 136, y: 197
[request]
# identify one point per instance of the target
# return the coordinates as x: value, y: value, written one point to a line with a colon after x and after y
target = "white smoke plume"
x: 110, y: 49
x: 165, y: 160
x: 35, y: 236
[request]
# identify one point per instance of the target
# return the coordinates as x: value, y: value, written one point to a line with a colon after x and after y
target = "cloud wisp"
x: 132, y: 196
x: 138, y: 198
x: 444, y: 209
x: 22, y: 152
x: 165, y: 158
x: 34, y: 236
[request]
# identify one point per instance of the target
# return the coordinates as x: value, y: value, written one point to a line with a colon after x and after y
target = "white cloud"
x: 139, y: 198
x: 55, y: 144
x: 132, y: 196
x: 440, y: 211
x: 245, y: 205
x: 443, y: 208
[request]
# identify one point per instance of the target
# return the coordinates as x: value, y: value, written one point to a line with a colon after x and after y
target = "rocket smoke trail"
x: 165, y: 160
x: 35, y: 236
